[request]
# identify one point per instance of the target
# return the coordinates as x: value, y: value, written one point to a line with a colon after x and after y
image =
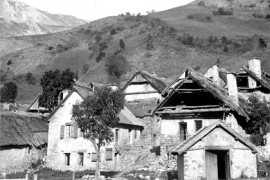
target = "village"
x: 192, y: 128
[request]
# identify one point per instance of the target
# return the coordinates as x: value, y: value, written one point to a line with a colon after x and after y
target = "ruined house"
x: 192, y: 102
x: 216, y: 152
x: 251, y: 79
x: 23, y: 141
x: 142, y: 93
x: 69, y: 150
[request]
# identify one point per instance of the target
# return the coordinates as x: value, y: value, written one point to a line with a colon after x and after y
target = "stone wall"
x: 19, y: 158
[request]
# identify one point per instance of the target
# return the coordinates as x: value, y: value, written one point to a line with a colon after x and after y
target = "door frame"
x: 220, y: 148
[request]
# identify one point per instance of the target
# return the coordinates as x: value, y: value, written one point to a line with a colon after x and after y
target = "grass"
x: 49, y: 174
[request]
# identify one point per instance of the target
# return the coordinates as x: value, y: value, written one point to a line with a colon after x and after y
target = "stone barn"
x: 216, y: 152
x: 69, y: 150
x: 23, y: 141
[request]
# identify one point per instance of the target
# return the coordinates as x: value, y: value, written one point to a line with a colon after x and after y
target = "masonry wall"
x: 19, y: 158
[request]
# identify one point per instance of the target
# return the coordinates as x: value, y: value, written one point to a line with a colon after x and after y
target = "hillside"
x: 18, y: 18
x: 165, y: 42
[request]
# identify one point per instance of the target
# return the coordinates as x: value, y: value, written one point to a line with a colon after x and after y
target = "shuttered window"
x: 109, y: 154
x: 68, y: 131
x: 94, y: 157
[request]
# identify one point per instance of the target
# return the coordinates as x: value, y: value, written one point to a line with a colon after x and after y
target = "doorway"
x: 217, y: 164
x: 183, y: 131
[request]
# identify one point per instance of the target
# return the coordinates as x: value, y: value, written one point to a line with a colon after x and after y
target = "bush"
x: 148, y: 55
x: 9, y: 62
x: 122, y: 44
x: 116, y: 66
x: 9, y: 92
x: 200, y: 17
x: 112, y: 31
x: 262, y: 44
x: 85, y: 68
x: 258, y: 15
x: 267, y: 17
x: 201, y: 3
x: 30, y: 78
x: 100, y: 56
x: 50, y: 47
x: 223, y: 12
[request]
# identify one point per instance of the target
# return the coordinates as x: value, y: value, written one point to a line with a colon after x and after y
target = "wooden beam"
x: 147, y: 92
x: 189, y: 90
x: 184, y: 107
x: 193, y: 110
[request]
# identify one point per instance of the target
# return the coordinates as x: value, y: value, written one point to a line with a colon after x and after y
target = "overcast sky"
x: 96, y: 9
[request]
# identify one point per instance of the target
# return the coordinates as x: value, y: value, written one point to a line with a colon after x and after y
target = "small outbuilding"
x: 216, y: 152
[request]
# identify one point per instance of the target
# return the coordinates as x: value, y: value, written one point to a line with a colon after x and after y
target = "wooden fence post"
x: 35, y: 176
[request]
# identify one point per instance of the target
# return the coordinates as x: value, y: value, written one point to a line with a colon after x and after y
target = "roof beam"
x: 193, y: 111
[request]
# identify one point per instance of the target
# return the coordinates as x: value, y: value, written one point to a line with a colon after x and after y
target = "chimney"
x: 254, y: 65
x: 232, y: 87
x: 113, y: 86
x: 216, y: 78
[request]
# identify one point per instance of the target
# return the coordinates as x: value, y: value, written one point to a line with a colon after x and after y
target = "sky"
x: 96, y: 9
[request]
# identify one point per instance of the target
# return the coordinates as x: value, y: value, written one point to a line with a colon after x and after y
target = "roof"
x: 156, y: 82
x: 126, y: 117
x: 141, y: 108
x: 189, y: 142
x: 217, y: 91
x: 18, y: 129
x: 35, y: 106
x: 263, y: 81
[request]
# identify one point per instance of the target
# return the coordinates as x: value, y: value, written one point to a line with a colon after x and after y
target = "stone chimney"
x: 232, y: 87
x: 254, y: 65
x: 216, y: 78
x: 62, y: 95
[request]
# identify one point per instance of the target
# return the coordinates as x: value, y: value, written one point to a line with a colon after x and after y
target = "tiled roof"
x: 141, y: 108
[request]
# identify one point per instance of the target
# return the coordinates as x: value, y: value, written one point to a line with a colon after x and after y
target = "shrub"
x: 100, y: 56
x: 50, y: 47
x: 147, y: 55
x: 149, y: 44
x: 223, y: 12
x: 267, y: 17
x: 200, y: 17
x: 122, y: 44
x: 85, y: 68
x: 9, y: 92
x: 201, y: 3
x: 262, y: 44
x: 258, y: 15
x: 116, y: 66
x: 9, y: 62
x: 102, y: 46
x: 112, y: 31
x: 30, y: 78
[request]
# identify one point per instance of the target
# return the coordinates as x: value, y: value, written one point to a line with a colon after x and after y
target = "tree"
x: 116, y: 66
x: 9, y: 92
x: 30, y: 78
x: 262, y: 43
x: 96, y: 116
x: 122, y: 44
x: 53, y: 82
x: 259, y: 123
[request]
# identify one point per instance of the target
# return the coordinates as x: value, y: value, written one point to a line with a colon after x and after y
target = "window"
x: 135, y: 134
x: 81, y: 159
x: 67, y: 159
x: 28, y: 150
x: 183, y: 131
x: 130, y: 136
x: 198, y: 124
x: 109, y: 154
x: 68, y: 130
x: 116, y: 136
x: 94, y: 157
x: 242, y: 81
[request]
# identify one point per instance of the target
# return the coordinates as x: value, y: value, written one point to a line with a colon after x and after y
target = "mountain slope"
x: 168, y: 55
x: 18, y: 18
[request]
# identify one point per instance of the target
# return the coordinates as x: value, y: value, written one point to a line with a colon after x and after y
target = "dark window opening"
x: 198, y: 124
x: 242, y: 81
x: 129, y: 136
x: 116, y: 136
x: 183, y: 131
x: 109, y: 154
x: 67, y: 159
x: 81, y: 156
x: 135, y: 134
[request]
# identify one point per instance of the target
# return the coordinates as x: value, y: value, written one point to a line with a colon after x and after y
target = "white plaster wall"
x: 141, y: 88
x: 194, y: 164
x: 243, y: 163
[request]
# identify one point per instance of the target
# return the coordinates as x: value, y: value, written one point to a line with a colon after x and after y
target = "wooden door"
x: 211, y: 166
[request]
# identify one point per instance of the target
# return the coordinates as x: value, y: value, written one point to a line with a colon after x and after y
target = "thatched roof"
x: 142, y: 108
x: 217, y: 91
x: 34, y: 106
x: 126, y: 117
x: 18, y: 129
x: 156, y: 82
x: 189, y: 142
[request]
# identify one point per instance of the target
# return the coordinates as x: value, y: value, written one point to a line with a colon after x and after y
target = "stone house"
x: 216, y: 152
x: 251, y: 79
x: 192, y: 102
x: 69, y: 150
x: 23, y: 141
